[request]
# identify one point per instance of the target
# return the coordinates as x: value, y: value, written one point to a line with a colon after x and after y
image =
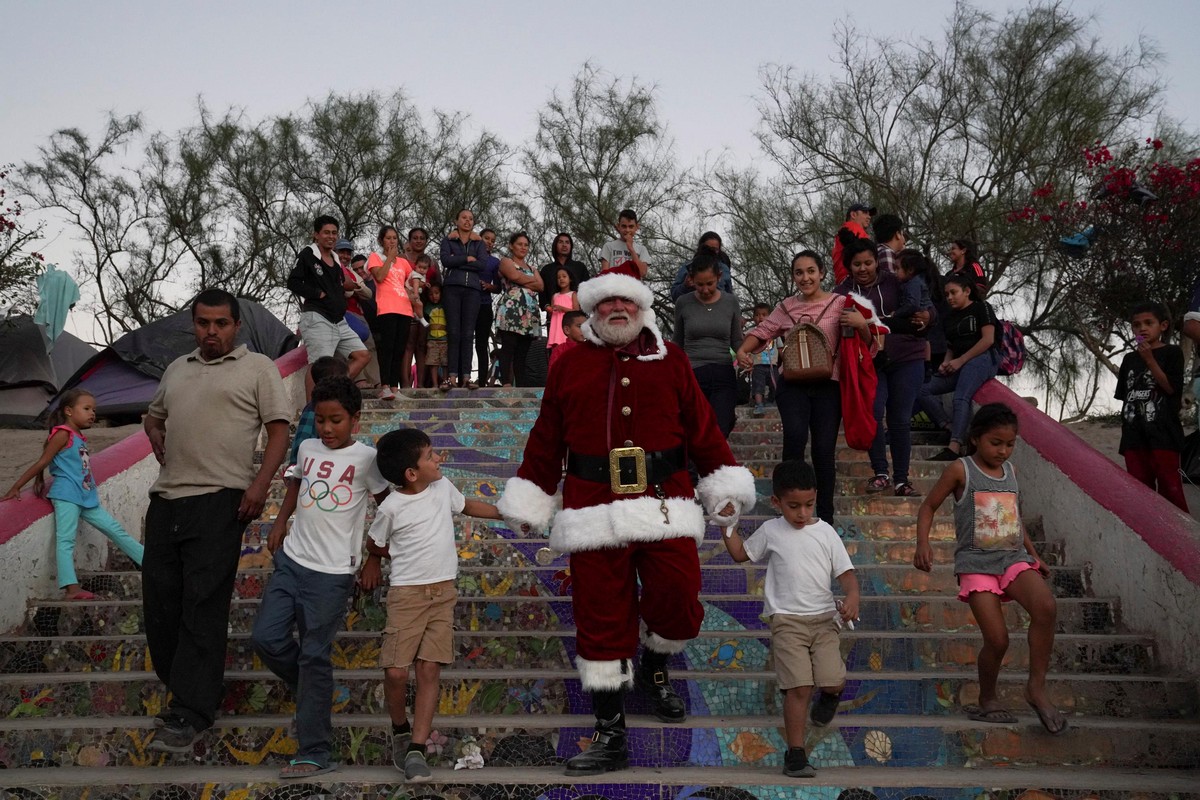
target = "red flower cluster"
x: 1045, y: 190
x: 1155, y: 143
x: 1096, y: 157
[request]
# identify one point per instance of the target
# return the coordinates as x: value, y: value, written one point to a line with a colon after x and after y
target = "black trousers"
x: 813, y: 408
x: 390, y: 344
x: 718, y: 382
x: 462, y: 308
x: 192, y: 549
x: 483, y: 333
x: 514, y: 358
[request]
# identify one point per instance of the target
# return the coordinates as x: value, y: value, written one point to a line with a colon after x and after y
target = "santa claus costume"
x: 626, y: 420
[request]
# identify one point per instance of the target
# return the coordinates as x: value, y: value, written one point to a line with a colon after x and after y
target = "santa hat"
x: 623, y: 281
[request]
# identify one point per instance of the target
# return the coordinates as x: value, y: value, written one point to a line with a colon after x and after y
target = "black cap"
x: 861, y: 207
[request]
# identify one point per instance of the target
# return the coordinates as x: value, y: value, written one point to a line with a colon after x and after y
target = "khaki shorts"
x: 435, y: 353
x: 807, y: 651
x: 420, y: 624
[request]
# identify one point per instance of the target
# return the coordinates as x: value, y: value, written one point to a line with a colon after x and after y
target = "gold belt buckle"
x: 620, y: 456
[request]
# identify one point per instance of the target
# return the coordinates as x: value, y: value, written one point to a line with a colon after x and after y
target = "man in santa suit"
x: 624, y: 412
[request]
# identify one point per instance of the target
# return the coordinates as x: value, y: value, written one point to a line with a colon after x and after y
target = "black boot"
x: 606, y: 753
x: 652, y: 678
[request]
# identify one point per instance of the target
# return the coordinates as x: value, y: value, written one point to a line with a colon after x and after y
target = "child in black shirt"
x: 971, y: 330
x: 1150, y: 388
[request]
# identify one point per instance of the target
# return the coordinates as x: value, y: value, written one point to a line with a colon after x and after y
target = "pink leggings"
x: 1158, y: 469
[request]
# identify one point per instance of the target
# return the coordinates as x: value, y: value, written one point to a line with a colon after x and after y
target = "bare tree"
x: 953, y: 134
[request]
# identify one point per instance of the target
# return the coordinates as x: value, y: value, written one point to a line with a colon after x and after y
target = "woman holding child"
x: 899, y: 366
x: 810, y: 406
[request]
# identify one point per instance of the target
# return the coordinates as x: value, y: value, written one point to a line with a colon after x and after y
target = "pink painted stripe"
x: 20, y: 514
x: 1167, y: 530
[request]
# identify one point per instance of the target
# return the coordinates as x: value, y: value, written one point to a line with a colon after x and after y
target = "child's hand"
x: 12, y: 494
x: 370, y: 576
x: 923, y: 557
x: 275, y: 538
x: 1144, y: 350
x: 1042, y: 569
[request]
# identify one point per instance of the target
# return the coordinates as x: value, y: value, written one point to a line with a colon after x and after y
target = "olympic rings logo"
x: 324, y: 496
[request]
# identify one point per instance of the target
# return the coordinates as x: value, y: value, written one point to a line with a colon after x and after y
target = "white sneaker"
x: 386, y: 393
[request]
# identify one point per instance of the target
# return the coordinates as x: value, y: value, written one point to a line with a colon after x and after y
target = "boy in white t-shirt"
x: 414, y: 527
x: 616, y: 252
x: 315, y: 566
x: 803, y: 555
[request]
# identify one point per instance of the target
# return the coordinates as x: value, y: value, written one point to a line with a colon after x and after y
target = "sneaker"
x: 825, y: 709
x: 416, y: 770
x: 175, y: 736
x: 878, y: 484
x: 760, y: 410
x: 386, y: 393
x: 795, y: 764
x: 400, y: 743
x: 906, y: 490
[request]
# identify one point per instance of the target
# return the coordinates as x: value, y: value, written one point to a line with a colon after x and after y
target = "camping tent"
x: 124, y: 376
x: 28, y: 376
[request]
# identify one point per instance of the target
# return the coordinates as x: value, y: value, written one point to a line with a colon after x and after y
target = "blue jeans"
x: 66, y: 526
x: 314, y: 604
x: 816, y: 408
x: 462, y: 310
x: 899, y: 385
x: 964, y: 383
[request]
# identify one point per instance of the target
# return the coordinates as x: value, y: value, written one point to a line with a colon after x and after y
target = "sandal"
x: 995, y: 716
x: 878, y: 484
x: 445, y: 386
x: 472, y: 386
x: 906, y: 490
x: 291, y: 771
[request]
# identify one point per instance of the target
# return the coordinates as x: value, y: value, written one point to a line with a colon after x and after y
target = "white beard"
x: 618, y: 335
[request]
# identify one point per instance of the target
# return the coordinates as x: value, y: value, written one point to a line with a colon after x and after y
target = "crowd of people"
x: 638, y: 424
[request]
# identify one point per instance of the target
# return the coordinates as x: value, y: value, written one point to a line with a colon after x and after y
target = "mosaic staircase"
x: 77, y: 691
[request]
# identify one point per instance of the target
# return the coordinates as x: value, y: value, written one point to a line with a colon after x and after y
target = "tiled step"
x: 884, y: 613
x: 897, y: 740
x: 715, y: 650
x: 259, y: 781
x: 724, y: 577
x: 935, y: 693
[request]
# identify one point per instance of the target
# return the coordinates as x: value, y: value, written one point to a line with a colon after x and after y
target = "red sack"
x: 858, y: 379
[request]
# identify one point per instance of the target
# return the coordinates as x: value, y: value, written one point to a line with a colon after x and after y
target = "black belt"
x: 660, y: 466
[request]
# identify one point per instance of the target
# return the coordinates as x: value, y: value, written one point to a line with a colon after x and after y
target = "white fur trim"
x: 1192, y: 316
x: 872, y: 317
x: 524, y: 503
x: 726, y: 485
x: 604, y: 676
x: 606, y: 285
x: 658, y: 644
x: 615, y: 524
x: 660, y: 351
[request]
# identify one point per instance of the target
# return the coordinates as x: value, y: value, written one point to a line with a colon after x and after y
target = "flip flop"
x: 1048, y: 718
x: 445, y: 386
x: 995, y: 716
x: 82, y: 594
x: 321, y: 769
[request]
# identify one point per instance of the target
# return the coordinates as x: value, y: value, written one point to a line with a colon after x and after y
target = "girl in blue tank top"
x: 995, y: 561
x: 73, y: 491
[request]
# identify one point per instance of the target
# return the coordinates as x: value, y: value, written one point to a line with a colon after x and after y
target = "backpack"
x: 1011, y: 348
x: 806, y: 354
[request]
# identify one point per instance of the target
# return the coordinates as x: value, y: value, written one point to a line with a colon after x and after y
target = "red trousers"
x: 604, y: 587
x: 1158, y: 469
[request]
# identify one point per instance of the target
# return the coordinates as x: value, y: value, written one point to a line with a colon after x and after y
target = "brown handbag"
x: 806, y: 354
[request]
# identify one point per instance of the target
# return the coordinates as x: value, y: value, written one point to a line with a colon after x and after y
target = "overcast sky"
x: 68, y: 63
